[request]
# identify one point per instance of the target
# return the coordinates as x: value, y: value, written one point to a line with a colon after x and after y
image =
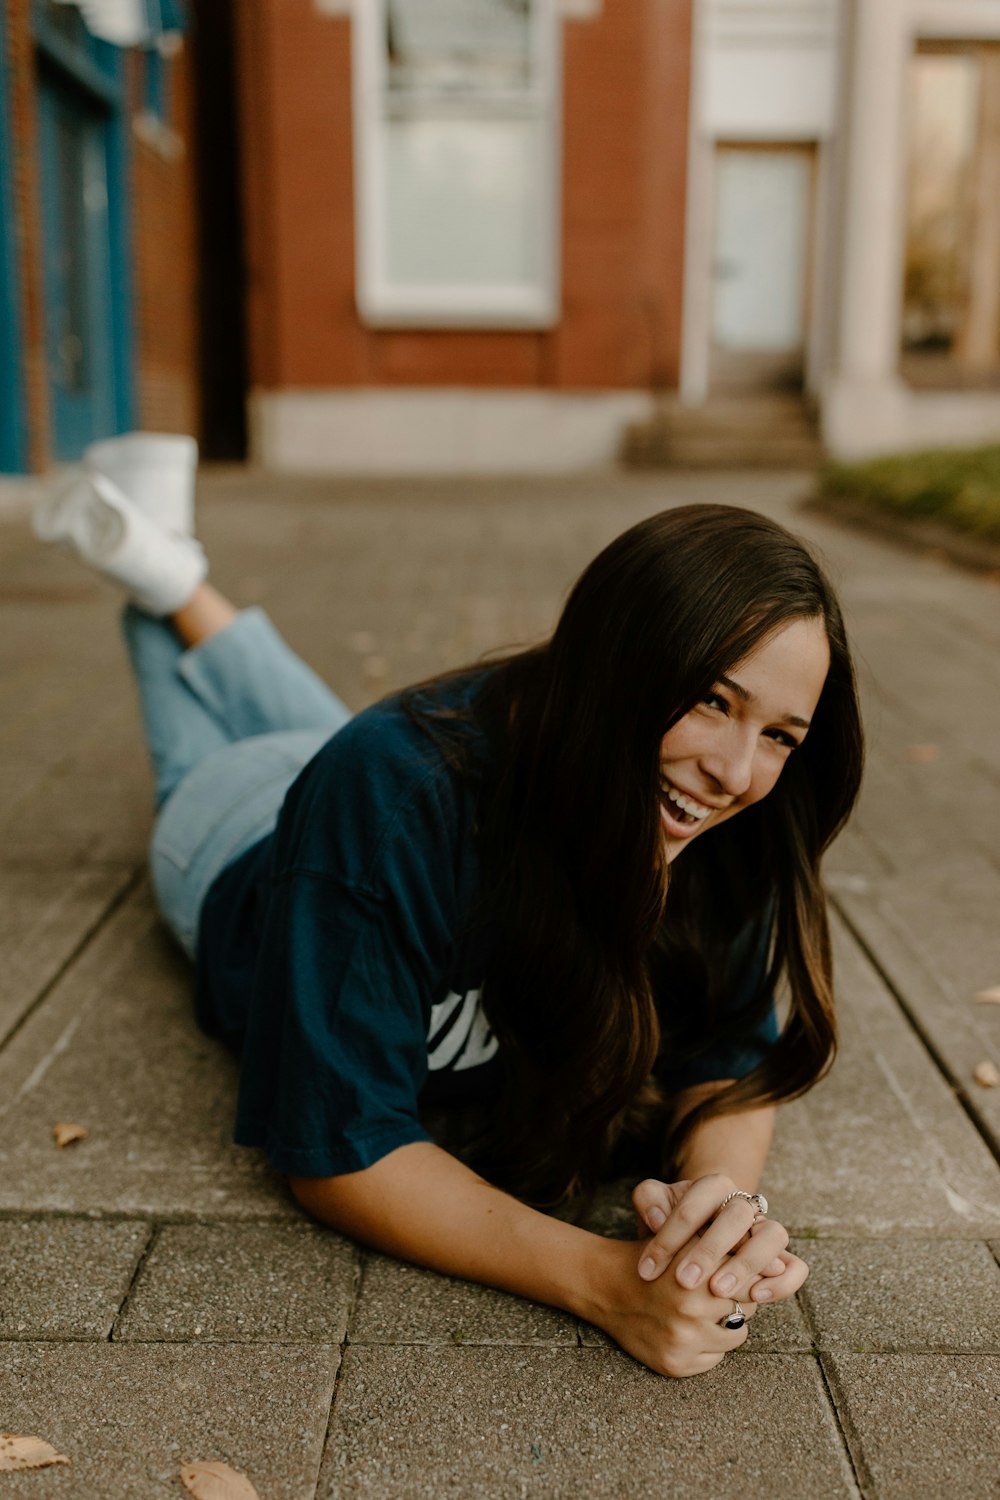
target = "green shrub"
x: 958, y: 487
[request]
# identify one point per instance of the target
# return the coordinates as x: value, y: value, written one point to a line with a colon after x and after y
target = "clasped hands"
x: 712, y: 1258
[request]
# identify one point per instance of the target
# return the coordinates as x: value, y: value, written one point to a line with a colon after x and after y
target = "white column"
x: 876, y: 165
x: 865, y: 398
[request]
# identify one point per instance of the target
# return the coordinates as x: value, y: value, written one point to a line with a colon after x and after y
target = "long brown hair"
x: 597, y: 973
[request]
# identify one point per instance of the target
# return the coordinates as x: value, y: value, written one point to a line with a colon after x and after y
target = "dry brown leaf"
x: 66, y: 1134
x: 27, y: 1453
x: 989, y: 997
x: 922, y: 754
x: 215, y: 1481
x: 985, y: 1073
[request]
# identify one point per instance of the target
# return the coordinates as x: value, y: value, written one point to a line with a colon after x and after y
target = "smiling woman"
x: 550, y: 897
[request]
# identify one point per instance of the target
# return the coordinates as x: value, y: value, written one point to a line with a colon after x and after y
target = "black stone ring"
x: 734, y: 1319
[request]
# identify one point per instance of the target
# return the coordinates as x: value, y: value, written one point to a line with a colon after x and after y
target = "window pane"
x: 459, y: 44
x: 944, y: 98
x: 460, y: 203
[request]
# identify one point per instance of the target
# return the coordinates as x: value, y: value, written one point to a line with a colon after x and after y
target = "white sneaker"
x: 90, y: 518
x: 156, y: 470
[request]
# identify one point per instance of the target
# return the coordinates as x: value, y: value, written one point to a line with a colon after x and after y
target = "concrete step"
x: 729, y: 432
x: 667, y: 450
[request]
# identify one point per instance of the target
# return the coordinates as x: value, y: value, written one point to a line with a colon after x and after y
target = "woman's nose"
x: 730, y: 762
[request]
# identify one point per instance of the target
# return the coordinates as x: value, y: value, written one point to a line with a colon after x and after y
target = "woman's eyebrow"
x: 748, y: 697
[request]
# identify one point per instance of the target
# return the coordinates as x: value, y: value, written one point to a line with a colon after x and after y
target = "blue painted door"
x: 79, y: 319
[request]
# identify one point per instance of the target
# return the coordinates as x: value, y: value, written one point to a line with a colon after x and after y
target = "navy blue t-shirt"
x: 341, y: 956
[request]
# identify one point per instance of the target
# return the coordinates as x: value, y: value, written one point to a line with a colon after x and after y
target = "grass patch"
x: 959, y: 488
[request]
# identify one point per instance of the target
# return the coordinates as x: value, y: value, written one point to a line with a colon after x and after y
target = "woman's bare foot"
x: 205, y: 614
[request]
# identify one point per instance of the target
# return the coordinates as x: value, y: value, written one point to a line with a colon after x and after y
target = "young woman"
x: 540, y: 906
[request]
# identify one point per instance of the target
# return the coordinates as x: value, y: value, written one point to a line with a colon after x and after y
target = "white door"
x: 763, y: 203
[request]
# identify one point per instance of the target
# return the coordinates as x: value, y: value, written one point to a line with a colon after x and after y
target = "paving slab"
x: 116, y: 1048
x: 129, y: 1415
x: 254, y: 1283
x: 936, y: 934
x: 45, y: 916
x: 18, y: 777
x: 65, y: 1278
x: 404, y: 1304
x: 880, y: 1146
x: 73, y: 816
x: 920, y: 1426
x: 926, y: 783
x: 865, y: 1296
x: 476, y: 1424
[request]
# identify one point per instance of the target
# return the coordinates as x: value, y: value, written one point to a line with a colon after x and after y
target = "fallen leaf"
x: 215, y: 1481
x: 986, y: 1074
x: 66, y: 1134
x: 27, y: 1453
x: 922, y: 754
x: 989, y: 997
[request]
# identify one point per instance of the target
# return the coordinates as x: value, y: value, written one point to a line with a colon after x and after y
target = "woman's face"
x: 729, y: 750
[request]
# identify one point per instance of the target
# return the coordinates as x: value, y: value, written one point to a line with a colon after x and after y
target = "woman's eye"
x: 782, y: 738
x: 715, y: 700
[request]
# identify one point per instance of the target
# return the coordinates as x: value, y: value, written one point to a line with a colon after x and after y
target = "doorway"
x: 79, y: 328
x: 761, y: 255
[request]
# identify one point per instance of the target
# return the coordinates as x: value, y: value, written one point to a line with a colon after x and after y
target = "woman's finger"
x: 654, y: 1201
x: 699, y: 1206
x: 783, y: 1286
x: 767, y: 1239
x: 714, y: 1253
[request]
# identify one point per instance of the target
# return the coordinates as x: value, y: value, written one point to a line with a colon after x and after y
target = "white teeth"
x: 696, y: 809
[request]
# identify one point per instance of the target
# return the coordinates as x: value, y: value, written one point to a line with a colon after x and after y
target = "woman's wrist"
x: 609, y: 1271
x: 734, y: 1145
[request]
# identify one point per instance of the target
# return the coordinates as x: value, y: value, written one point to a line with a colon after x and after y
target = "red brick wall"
x: 625, y: 93
x: 164, y: 255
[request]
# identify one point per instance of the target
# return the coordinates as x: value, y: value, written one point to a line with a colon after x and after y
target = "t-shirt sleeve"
x: 742, y: 1049
x: 356, y: 943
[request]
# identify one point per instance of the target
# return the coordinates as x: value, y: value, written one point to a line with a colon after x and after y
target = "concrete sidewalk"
x: 165, y: 1301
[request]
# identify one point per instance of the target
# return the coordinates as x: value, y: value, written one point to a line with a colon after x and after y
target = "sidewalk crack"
x: 141, y: 1259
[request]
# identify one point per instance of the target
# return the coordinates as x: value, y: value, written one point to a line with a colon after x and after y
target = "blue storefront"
x: 86, y: 272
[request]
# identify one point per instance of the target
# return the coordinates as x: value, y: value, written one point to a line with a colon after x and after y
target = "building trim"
x: 445, y: 431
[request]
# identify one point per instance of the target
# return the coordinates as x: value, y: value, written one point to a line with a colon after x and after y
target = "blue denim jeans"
x: 229, y: 724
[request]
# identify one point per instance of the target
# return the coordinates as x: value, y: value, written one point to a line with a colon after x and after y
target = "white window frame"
x: 384, y: 303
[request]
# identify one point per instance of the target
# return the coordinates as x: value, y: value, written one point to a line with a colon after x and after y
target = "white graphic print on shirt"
x: 458, y: 1036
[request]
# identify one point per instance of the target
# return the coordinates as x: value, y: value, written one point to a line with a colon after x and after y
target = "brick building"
x: 464, y: 226
x: 478, y: 235
x: 486, y: 234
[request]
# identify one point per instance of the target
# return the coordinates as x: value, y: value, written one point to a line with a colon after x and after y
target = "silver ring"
x: 757, y: 1199
x: 735, y: 1319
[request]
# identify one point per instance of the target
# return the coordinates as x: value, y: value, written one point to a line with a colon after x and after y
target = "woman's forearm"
x: 423, y: 1205
x: 736, y: 1145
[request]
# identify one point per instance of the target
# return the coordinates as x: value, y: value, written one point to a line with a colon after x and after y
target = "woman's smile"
x: 682, y: 814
